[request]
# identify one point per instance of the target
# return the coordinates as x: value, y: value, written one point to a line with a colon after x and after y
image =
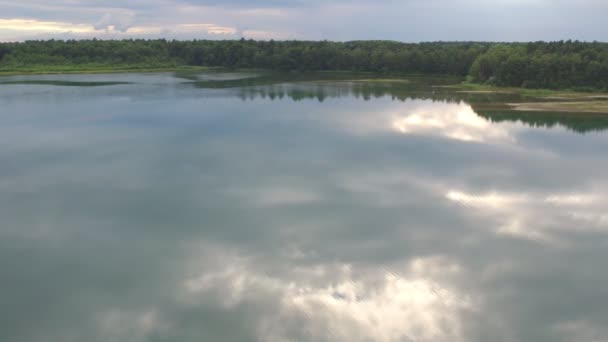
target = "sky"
x: 402, y: 20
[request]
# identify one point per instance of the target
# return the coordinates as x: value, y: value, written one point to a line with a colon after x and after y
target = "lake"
x: 252, y: 207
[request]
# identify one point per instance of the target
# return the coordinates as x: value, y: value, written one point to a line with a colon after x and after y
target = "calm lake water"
x: 230, y: 207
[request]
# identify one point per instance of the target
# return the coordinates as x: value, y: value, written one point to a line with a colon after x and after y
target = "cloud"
x: 413, y: 305
x: 41, y: 27
x: 337, y: 20
x: 118, y: 21
x: 516, y: 216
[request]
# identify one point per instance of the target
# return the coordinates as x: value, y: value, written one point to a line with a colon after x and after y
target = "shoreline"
x: 588, y: 106
x: 566, y: 100
x: 119, y: 70
x: 97, y: 71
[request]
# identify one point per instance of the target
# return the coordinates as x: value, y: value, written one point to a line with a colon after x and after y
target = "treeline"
x: 564, y: 64
x: 556, y: 65
x: 374, y: 56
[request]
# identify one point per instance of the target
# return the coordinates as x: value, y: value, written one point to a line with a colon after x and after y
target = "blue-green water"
x: 168, y: 209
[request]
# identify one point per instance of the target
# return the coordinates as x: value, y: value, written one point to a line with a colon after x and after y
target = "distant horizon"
x: 309, y: 40
x: 340, y: 20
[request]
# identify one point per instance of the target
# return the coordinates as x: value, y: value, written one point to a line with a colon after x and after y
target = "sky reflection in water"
x: 160, y: 211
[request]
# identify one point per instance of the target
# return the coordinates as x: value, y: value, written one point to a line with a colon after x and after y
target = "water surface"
x: 237, y: 207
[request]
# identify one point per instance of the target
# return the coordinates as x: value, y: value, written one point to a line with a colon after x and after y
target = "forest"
x: 552, y: 65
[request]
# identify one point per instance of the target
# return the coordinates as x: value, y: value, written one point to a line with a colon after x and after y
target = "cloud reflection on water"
x: 455, y: 121
x: 337, y: 302
x: 189, y: 213
x: 584, y: 212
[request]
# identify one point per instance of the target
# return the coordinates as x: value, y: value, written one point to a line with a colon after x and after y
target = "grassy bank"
x: 551, y: 94
x: 544, y: 100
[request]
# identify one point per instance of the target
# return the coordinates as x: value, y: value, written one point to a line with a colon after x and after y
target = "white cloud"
x: 454, y: 121
x: 516, y: 214
x: 118, y: 21
x: 342, y: 20
x: 38, y: 26
x: 457, y: 121
x: 332, y: 303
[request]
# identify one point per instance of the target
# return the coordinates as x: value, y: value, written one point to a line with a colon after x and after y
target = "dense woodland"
x: 564, y: 64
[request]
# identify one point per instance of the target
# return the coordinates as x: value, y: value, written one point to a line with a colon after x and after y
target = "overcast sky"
x: 403, y: 20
